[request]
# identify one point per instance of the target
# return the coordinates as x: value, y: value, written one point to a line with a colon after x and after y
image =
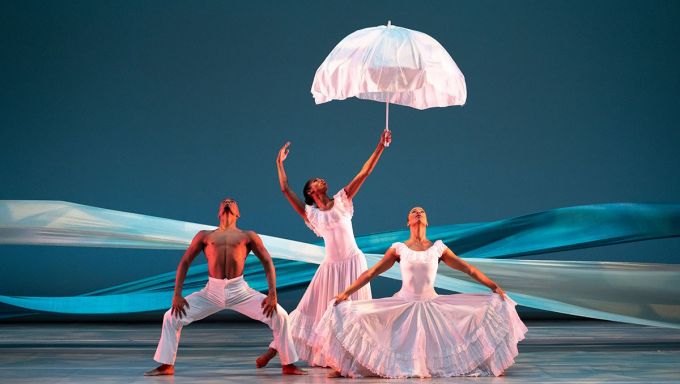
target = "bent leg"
x: 248, y: 301
x: 200, y: 306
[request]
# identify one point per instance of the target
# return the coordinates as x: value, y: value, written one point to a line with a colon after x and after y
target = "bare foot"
x: 334, y: 375
x: 291, y: 369
x: 263, y: 360
x: 161, y: 370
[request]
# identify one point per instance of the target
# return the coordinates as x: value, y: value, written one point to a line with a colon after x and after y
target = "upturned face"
x: 416, y: 216
x: 317, y: 186
x: 228, y: 206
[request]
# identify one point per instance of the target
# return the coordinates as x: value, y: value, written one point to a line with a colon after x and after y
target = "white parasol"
x: 393, y: 65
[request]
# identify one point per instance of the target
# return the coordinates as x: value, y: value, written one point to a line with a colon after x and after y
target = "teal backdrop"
x: 163, y: 108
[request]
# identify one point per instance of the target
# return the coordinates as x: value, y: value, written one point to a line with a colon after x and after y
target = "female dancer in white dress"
x: 417, y: 333
x: 330, y: 218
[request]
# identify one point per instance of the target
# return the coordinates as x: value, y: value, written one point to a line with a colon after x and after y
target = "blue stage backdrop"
x: 163, y: 108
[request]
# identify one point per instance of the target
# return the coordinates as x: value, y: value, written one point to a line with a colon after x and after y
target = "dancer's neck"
x: 227, y: 223
x: 418, y: 233
x: 322, y: 202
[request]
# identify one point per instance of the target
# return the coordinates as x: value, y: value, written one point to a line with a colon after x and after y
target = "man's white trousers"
x: 222, y: 294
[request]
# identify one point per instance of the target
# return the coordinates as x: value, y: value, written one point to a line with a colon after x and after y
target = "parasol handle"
x: 387, y: 120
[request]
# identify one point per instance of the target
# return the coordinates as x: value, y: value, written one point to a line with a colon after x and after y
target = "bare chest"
x: 228, y: 243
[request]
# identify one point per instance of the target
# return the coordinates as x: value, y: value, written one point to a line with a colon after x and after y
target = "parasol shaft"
x: 387, y: 119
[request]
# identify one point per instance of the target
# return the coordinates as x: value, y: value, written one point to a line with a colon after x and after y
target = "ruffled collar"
x: 404, y: 252
x: 342, y: 209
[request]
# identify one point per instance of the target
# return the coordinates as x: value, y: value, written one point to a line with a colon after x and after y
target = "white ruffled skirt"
x: 332, y: 278
x: 449, y: 335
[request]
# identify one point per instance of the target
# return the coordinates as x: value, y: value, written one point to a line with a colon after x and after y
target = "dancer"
x: 226, y: 249
x: 330, y: 218
x: 417, y: 333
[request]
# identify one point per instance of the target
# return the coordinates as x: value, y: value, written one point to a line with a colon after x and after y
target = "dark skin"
x: 417, y: 241
x: 226, y: 249
x: 318, y: 190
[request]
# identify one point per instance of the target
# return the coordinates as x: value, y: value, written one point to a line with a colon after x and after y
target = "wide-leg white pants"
x: 217, y: 295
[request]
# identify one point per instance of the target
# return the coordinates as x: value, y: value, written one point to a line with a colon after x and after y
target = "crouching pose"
x: 226, y: 249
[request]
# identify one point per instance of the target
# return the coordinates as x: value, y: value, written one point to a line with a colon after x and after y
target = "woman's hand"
x: 500, y: 291
x: 385, y: 138
x: 340, y: 298
x: 283, y: 153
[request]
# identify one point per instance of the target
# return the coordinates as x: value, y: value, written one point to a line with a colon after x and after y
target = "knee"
x: 281, y: 314
x: 169, y: 319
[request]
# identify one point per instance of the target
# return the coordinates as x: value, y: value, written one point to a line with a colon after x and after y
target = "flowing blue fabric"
x: 640, y: 293
x: 550, y: 231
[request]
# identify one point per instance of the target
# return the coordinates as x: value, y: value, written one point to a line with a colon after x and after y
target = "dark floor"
x: 554, y: 352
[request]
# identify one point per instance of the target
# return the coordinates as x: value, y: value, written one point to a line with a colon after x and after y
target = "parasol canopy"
x: 390, y: 64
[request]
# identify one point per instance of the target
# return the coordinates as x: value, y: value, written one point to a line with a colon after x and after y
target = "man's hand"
x: 340, y: 298
x: 269, y: 305
x: 283, y: 153
x: 178, y: 304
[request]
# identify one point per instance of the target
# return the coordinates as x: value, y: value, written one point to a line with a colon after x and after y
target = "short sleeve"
x: 346, y: 204
x: 310, y: 226
x: 397, y: 247
x: 440, y: 247
x: 311, y: 212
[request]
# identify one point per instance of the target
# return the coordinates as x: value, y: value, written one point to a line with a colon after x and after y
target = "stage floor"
x: 554, y: 352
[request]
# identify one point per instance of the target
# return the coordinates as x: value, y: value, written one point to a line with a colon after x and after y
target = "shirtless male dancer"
x: 226, y: 249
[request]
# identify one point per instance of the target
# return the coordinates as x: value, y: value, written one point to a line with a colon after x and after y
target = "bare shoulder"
x: 202, y: 234
x: 251, y: 235
x: 253, y: 240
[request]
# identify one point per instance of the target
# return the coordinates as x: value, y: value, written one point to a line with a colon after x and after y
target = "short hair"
x: 305, y: 192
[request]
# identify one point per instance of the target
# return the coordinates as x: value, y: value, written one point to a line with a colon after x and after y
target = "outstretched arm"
x: 353, y: 187
x: 456, y: 262
x: 381, y: 266
x: 269, y: 303
x: 178, y: 302
x: 293, y: 199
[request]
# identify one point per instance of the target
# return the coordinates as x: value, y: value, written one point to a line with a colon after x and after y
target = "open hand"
x: 178, y: 304
x: 340, y: 298
x: 269, y: 305
x: 386, y: 138
x: 283, y: 153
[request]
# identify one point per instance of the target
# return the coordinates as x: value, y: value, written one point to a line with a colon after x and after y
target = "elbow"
x: 183, y: 265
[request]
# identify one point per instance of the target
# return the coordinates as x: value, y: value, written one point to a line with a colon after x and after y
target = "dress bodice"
x: 418, y: 270
x: 335, y: 226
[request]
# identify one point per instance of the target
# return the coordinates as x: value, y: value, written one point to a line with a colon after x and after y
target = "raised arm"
x: 178, y: 301
x: 292, y: 198
x: 456, y: 262
x: 353, y: 187
x: 256, y: 245
x: 381, y: 266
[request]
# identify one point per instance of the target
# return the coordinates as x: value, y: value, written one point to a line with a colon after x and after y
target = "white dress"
x: 342, y: 265
x: 417, y: 333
